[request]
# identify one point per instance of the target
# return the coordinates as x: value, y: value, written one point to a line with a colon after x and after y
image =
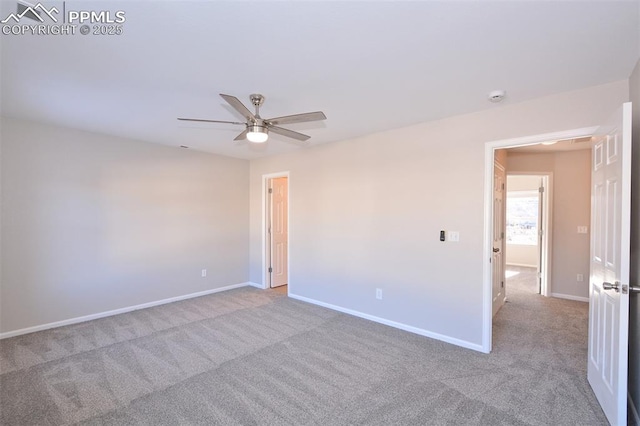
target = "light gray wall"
x: 522, y: 182
x: 634, y: 308
x: 522, y: 255
x: 92, y: 223
x: 366, y: 213
x: 571, y: 208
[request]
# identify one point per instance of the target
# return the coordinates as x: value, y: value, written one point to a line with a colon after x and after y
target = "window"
x: 522, y: 217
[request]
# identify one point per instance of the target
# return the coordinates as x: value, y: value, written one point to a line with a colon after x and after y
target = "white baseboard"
x: 521, y: 264
x: 77, y: 320
x: 256, y: 285
x: 570, y: 297
x: 633, y: 412
x: 405, y: 327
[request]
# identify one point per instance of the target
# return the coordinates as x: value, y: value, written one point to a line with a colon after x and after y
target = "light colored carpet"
x: 249, y: 356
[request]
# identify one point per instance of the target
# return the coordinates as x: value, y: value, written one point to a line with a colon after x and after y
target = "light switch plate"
x: 454, y: 236
x: 582, y: 229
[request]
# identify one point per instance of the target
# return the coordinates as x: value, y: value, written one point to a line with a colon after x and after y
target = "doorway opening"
x: 490, y: 281
x: 276, y: 231
x: 528, y: 229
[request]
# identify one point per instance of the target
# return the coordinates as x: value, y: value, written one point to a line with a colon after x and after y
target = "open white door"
x: 497, y: 258
x: 609, y: 275
x: 279, y: 232
x: 541, y: 230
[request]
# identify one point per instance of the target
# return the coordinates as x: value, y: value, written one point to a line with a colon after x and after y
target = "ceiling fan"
x: 257, y: 128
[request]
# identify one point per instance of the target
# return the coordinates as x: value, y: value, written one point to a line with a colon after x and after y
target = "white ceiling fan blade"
x: 202, y: 120
x: 242, y: 135
x: 297, y: 118
x: 238, y: 106
x: 288, y: 133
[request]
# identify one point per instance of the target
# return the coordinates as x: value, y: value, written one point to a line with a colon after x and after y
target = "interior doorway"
x: 276, y: 231
x: 528, y: 228
x: 491, y: 149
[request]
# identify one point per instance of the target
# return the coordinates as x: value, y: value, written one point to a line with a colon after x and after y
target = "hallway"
x: 544, y: 341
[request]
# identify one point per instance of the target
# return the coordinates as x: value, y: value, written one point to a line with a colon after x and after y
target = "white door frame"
x: 547, y: 225
x: 489, y: 152
x: 265, y: 219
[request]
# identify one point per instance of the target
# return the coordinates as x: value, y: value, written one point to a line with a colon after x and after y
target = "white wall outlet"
x: 454, y: 236
x: 582, y: 229
x: 204, y: 273
x: 580, y: 278
x: 379, y: 293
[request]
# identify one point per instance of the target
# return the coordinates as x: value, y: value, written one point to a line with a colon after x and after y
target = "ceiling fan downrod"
x: 257, y: 100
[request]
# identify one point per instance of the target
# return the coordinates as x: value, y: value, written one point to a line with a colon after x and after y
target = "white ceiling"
x: 370, y: 66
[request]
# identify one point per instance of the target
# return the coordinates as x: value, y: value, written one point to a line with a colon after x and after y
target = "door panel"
x: 497, y: 259
x: 609, y: 307
x: 279, y: 231
x: 541, y: 231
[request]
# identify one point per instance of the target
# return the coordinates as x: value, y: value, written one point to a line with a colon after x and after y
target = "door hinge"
x: 502, y: 284
x: 270, y: 190
x: 503, y: 186
x: 270, y: 269
x: 541, y: 189
x: 502, y: 235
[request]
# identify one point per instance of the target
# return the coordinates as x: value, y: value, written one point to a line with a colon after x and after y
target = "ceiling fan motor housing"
x: 258, y: 128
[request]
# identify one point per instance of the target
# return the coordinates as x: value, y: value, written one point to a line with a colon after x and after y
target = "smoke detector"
x: 496, y: 96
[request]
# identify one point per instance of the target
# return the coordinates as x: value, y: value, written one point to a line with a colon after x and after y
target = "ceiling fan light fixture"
x: 257, y: 134
x: 256, y: 129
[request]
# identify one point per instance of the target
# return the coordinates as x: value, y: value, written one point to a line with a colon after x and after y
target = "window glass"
x: 522, y: 217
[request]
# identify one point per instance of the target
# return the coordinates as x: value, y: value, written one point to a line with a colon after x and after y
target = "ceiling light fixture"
x: 550, y: 143
x: 257, y: 134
